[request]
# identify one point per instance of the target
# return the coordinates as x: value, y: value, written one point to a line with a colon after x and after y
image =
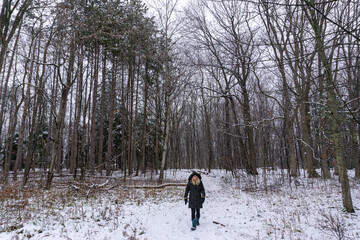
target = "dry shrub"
x: 332, y: 225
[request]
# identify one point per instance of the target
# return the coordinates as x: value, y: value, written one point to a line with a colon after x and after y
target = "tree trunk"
x: 19, y: 153
x: 4, y: 87
x: 228, y: 160
x: 86, y: 113
x: 157, y: 130
x: 102, y: 117
x: 334, y: 110
x: 36, y: 118
x: 76, y: 124
x: 324, y: 157
x: 249, y: 130
x: 166, y: 139
x: 109, y: 153
x: 144, y: 134
x: 209, y: 141
x: 135, y: 129
x: 59, y: 120
x: 279, y: 50
x: 14, y: 109
x: 242, y: 149
x: 305, y: 126
x: 124, y: 121
x: 9, y: 25
x: 93, y: 115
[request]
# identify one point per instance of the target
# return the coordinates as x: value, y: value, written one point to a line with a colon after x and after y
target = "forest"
x: 93, y: 87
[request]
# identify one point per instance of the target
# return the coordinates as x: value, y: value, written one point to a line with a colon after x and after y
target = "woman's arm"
x: 187, y: 190
x: 202, y: 190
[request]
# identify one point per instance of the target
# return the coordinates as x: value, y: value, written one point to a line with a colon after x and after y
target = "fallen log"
x: 159, y: 186
x: 219, y: 224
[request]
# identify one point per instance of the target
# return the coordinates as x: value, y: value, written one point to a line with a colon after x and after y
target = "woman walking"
x: 197, y: 197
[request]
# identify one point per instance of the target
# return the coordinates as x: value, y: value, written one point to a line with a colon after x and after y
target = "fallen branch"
x: 115, y: 186
x: 219, y: 224
x: 160, y: 186
x: 77, y: 188
x: 86, y: 189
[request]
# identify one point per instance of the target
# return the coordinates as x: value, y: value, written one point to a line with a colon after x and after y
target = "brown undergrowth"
x: 97, y: 200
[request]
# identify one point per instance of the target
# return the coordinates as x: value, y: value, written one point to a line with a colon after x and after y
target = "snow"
x: 235, y: 208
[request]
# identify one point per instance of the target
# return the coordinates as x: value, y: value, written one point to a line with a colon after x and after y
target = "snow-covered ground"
x: 235, y: 208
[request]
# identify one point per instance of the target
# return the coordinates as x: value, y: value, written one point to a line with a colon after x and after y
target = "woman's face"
x: 195, y: 177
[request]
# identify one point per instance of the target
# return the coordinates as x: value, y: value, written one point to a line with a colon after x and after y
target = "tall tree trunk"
x: 324, y: 157
x: 208, y: 137
x: 102, y: 117
x: 86, y: 113
x: 14, y: 109
x: 51, y: 119
x: 305, y: 126
x: 19, y: 153
x: 249, y: 130
x: 144, y: 133
x: 4, y: 87
x: 333, y: 105
x: 9, y: 25
x: 135, y: 134
x: 59, y: 120
x: 242, y: 148
x: 93, y: 115
x: 76, y: 124
x: 109, y: 153
x: 323, y: 122
x: 278, y: 48
x: 166, y: 139
x: 289, y: 134
x: 157, y: 130
x: 130, y: 101
x: 124, y: 122
x: 36, y: 118
x: 228, y: 161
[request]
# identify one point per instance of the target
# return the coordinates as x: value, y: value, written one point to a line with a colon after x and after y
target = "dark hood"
x: 194, y: 173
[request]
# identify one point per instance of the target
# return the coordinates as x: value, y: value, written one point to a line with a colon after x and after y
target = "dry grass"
x: 97, y: 200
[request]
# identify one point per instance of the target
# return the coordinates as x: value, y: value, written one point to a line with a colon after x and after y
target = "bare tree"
x: 65, y: 89
x: 314, y: 18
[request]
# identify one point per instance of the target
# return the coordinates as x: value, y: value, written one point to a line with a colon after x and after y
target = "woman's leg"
x: 192, y: 214
x: 197, y: 216
x: 193, y: 219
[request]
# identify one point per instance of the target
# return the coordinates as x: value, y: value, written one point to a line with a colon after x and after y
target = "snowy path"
x: 171, y: 220
x: 294, y: 214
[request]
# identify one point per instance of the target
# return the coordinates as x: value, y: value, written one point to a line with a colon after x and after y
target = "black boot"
x: 197, y: 221
x: 193, y: 224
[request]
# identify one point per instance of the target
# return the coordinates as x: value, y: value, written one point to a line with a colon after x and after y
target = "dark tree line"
x: 96, y: 86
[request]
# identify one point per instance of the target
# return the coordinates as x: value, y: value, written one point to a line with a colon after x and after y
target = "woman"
x: 197, y: 197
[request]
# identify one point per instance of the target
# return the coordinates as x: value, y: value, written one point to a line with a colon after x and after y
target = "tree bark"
x: 102, y: 117
x: 166, y: 139
x: 109, y: 153
x: 333, y: 107
x: 19, y: 153
x: 144, y: 133
x: 249, y: 130
x: 79, y: 100
x: 305, y: 126
x: 4, y: 87
x: 9, y: 25
x: 38, y: 111
x: 59, y: 120
x: 93, y: 114
x: 279, y: 51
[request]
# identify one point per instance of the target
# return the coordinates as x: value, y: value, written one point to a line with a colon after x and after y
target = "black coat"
x: 197, y: 192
